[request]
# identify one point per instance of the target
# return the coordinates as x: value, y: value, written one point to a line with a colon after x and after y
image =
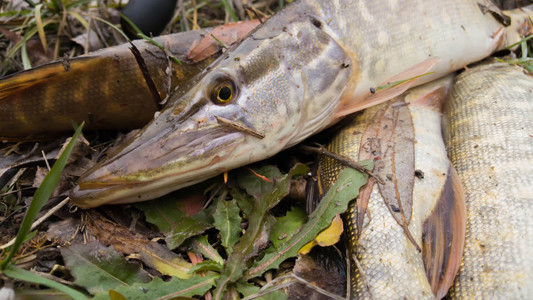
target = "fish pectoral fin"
x: 444, y: 236
x: 393, y: 87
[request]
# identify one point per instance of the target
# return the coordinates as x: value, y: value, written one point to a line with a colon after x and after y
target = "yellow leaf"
x: 327, y: 237
x: 114, y: 295
x: 332, y: 234
x: 307, y: 247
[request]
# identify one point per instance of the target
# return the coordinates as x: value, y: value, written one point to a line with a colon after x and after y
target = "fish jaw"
x: 286, y: 82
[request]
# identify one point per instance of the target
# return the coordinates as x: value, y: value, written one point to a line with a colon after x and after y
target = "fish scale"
x: 390, y: 267
x: 489, y: 122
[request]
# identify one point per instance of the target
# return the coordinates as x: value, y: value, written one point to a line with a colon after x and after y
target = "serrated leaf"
x: 265, y: 195
x: 159, y: 289
x: 98, y: 268
x: 228, y: 222
x: 336, y: 201
x: 174, y: 223
x: 287, y: 225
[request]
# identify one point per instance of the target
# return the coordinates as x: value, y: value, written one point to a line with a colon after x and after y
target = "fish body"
x: 488, y: 127
x: 389, y: 265
x: 298, y: 73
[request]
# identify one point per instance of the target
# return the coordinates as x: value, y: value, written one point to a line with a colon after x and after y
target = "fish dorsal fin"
x: 444, y: 236
x: 393, y: 87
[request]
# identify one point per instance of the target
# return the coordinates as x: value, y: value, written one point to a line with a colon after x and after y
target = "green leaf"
x: 201, y: 245
x: 335, y: 201
x: 159, y: 289
x: 228, y: 222
x: 27, y: 276
x: 207, y: 265
x: 265, y: 196
x: 173, y: 222
x: 98, y: 268
x: 249, y: 289
x: 244, y: 201
x: 42, y: 194
x: 287, y: 226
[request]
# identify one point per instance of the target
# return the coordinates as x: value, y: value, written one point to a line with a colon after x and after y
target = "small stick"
x: 363, y: 276
x: 240, y: 127
x: 343, y: 160
x: 256, y: 14
x: 146, y: 74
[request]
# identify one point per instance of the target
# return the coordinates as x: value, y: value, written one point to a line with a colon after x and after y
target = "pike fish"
x: 299, y: 72
x: 488, y: 133
x: 105, y: 89
x: 406, y: 234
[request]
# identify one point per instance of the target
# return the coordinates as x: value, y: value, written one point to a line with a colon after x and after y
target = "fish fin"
x: 431, y: 96
x: 228, y: 34
x: 393, y: 87
x: 444, y: 236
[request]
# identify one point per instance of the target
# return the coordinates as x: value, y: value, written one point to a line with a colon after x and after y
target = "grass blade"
x: 27, y: 276
x: 230, y: 10
x: 41, y: 196
x: 40, y: 26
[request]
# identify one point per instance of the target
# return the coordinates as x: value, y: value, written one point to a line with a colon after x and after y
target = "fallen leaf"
x: 173, y: 222
x: 98, y: 268
x: 327, y: 237
x: 227, y: 34
x: 151, y: 253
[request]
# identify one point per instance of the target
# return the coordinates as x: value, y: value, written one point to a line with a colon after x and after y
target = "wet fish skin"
x: 391, y: 266
x: 302, y: 70
x: 488, y: 127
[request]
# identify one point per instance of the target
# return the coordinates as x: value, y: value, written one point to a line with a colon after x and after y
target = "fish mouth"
x: 149, y: 167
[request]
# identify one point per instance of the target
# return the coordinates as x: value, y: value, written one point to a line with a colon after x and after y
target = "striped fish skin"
x: 106, y: 89
x: 303, y: 69
x: 488, y: 133
x: 391, y: 266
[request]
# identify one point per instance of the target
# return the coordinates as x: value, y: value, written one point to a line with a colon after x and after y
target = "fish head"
x: 271, y: 91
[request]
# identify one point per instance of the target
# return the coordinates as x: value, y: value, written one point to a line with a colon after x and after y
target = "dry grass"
x: 35, y: 32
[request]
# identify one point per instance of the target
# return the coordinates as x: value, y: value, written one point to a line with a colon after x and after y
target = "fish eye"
x: 223, y: 92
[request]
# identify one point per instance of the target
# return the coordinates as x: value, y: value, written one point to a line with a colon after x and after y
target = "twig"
x: 343, y: 160
x: 146, y: 74
x: 45, y: 160
x: 348, y: 274
x: 240, y: 127
x: 38, y: 222
x: 266, y: 289
x: 363, y: 276
x: 253, y: 11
